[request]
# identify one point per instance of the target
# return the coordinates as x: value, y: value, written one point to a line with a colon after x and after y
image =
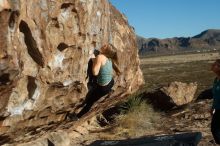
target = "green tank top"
x: 105, y: 73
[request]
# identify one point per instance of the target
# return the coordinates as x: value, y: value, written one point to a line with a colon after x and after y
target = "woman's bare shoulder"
x: 101, y: 56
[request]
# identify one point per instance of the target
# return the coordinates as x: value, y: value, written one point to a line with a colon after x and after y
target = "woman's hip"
x: 107, y: 87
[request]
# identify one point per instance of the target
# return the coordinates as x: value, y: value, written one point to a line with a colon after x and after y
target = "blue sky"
x: 170, y: 18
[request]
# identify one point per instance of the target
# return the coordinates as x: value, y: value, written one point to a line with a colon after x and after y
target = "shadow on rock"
x: 159, y: 100
x: 183, y: 139
x: 50, y: 143
x: 4, y: 139
x: 175, y: 94
x: 206, y: 94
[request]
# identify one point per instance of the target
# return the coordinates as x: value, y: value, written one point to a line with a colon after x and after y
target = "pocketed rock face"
x: 175, y: 94
x: 180, y: 93
x: 45, y: 47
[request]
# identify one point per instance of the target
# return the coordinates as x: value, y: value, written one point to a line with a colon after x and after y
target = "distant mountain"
x: 211, y: 33
x: 207, y: 40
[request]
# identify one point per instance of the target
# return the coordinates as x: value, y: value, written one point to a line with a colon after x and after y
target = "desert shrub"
x: 136, y: 118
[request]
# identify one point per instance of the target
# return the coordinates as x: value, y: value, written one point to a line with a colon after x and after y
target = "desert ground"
x: 161, y: 70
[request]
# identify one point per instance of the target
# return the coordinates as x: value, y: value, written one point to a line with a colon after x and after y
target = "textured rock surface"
x: 45, y: 46
x: 173, y: 95
x: 180, y: 93
x: 55, y: 138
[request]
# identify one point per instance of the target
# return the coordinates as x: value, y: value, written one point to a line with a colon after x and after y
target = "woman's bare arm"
x: 97, y: 62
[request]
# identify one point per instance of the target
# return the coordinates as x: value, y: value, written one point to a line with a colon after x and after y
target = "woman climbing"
x: 102, y: 67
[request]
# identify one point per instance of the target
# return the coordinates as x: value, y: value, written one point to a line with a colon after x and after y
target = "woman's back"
x: 105, y: 72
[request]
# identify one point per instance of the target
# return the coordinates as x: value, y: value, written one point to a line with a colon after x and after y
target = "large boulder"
x: 180, y: 93
x: 45, y: 47
x: 174, y: 94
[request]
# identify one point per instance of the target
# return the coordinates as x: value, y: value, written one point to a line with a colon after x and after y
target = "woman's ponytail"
x: 110, y: 52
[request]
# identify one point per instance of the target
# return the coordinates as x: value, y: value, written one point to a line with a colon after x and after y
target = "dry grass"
x: 136, y: 119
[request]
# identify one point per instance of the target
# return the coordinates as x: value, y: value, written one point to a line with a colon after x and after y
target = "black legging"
x: 95, y: 95
x: 215, y: 126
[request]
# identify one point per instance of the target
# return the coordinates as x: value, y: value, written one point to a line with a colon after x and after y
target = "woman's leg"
x: 99, y: 92
x: 93, y: 97
x: 106, y: 89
